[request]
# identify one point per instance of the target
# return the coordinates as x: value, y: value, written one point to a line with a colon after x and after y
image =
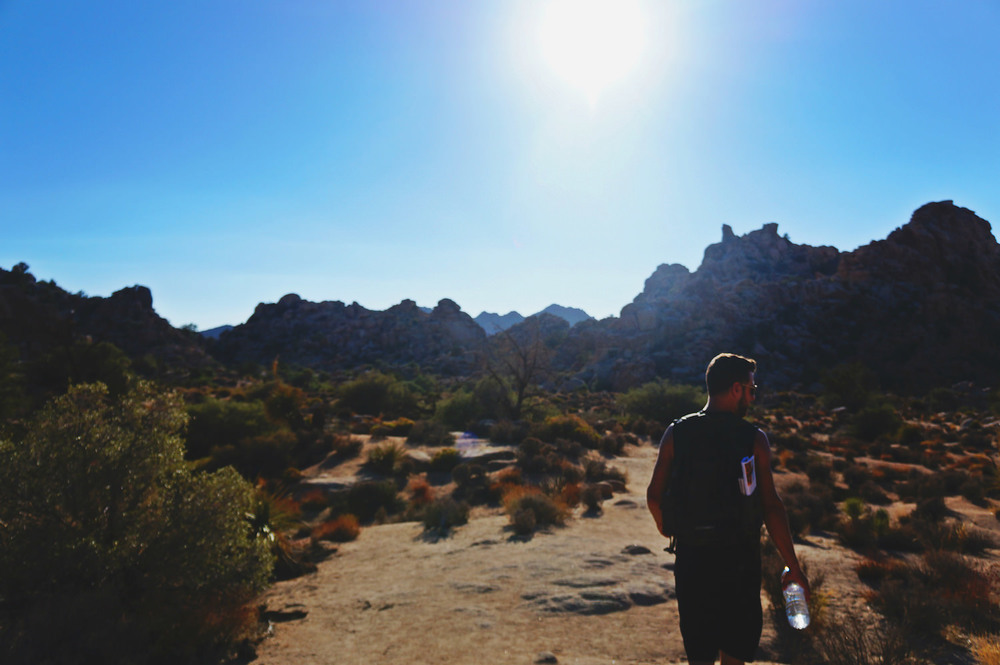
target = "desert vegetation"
x: 141, y: 520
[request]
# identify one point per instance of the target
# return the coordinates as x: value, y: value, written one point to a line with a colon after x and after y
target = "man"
x: 716, y: 470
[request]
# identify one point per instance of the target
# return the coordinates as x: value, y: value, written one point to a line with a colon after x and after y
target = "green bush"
x: 569, y: 427
x: 849, y: 385
x: 385, y: 459
x: 875, y: 421
x: 661, y: 401
x: 596, y: 470
x: 111, y: 543
x: 367, y: 499
x: 375, y: 393
x: 430, y: 433
x: 216, y: 423
x: 458, y: 411
x: 445, y: 460
x: 445, y: 513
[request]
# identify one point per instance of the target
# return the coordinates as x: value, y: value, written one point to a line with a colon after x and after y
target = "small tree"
x: 109, y: 541
x: 662, y: 401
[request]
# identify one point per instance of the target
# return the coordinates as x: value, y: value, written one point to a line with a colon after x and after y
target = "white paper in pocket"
x: 748, y: 483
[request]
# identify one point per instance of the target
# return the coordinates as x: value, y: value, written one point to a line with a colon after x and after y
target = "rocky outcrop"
x: 331, y: 335
x: 919, y: 308
x: 39, y: 318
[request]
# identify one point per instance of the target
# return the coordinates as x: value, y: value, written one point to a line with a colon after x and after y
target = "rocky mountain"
x: 215, y: 333
x: 332, y: 335
x: 44, y: 323
x: 921, y: 308
x: 494, y: 323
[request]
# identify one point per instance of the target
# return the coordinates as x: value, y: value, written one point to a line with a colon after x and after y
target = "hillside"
x: 920, y: 308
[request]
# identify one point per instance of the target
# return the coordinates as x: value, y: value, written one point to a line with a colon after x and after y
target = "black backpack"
x: 704, y: 503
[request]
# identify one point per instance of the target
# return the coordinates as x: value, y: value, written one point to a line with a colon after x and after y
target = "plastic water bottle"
x: 796, y: 607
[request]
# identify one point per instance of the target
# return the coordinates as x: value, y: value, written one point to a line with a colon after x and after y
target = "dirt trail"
x: 483, y: 596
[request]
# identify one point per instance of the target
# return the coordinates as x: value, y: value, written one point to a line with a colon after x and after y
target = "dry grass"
x: 341, y: 529
x: 986, y: 649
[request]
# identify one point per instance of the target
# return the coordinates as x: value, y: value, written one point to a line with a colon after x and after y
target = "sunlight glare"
x: 591, y: 44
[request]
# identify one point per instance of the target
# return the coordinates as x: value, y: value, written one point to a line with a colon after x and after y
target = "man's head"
x: 730, y: 382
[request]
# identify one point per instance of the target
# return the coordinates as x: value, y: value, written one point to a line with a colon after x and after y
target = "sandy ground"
x: 481, y: 595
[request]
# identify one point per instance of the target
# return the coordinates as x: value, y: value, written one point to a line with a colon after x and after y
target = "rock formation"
x: 332, y: 335
x: 920, y: 308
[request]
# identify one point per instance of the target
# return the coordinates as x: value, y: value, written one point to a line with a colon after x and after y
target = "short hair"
x: 727, y: 369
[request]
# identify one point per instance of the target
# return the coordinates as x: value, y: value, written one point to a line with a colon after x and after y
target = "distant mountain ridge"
x: 920, y: 308
x: 494, y: 323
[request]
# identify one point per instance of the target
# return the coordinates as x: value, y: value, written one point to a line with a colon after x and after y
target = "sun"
x: 590, y: 44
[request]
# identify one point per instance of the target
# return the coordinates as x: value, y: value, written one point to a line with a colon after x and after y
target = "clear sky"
x: 506, y: 154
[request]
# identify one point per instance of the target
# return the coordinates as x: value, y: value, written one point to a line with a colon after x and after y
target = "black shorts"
x: 718, y: 598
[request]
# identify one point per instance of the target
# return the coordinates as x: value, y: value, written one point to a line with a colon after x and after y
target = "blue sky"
x: 227, y: 152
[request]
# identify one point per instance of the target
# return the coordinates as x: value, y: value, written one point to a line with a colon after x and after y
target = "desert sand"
x: 597, y: 591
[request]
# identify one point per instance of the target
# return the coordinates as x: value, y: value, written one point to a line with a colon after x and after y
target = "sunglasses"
x: 753, y: 389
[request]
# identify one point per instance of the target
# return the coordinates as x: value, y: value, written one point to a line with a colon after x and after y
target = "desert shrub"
x: 536, y: 456
x: 527, y: 505
x: 214, y: 423
x: 506, y: 431
x: 849, y: 641
x: 911, y: 435
x: 284, y: 405
x: 570, y: 427
x: 975, y: 489
x: 458, y: 411
x: 430, y: 433
x: 952, y: 536
x: 375, y: 393
x: 873, y: 571
x: 596, y: 470
x: 314, y: 501
x: 593, y: 498
x: 472, y: 484
x: 444, y: 514
x: 943, y: 399
x: 445, y: 460
x: 661, y: 401
x: 264, y: 455
x: 346, y: 446
x: 385, y: 459
x: 809, y: 508
x: 397, y: 427
x: 570, y: 494
x: 612, y: 444
x: 874, y: 421
x: 856, y: 475
x: 931, y: 510
x: 340, y: 529
x: 421, y: 492
x: 865, y: 529
x: 819, y: 471
x: 939, y: 591
x: 367, y: 498
x: 111, y: 543
x: 850, y: 385
x: 872, y: 493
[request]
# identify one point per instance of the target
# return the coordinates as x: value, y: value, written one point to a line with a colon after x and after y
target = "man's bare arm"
x: 775, y: 517
x: 661, y: 475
